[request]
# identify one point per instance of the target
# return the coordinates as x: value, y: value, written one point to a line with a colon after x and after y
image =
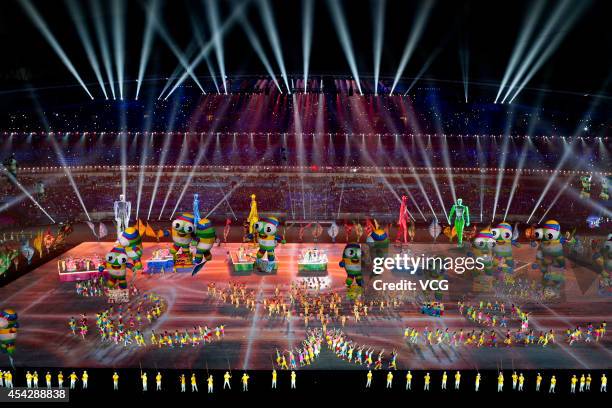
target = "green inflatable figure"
x: 462, y: 219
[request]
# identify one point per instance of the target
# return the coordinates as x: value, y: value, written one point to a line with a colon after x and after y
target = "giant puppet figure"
x: 114, y: 269
x: 550, y: 259
x: 462, y: 218
x: 8, y: 332
x: 505, y: 238
x: 402, y: 222
x: 585, y: 181
x: 131, y: 241
x: 122, y: 210
x: 603, y: 261
x: 205, y: 239
x: 265, y: 231
x: 183, y: 233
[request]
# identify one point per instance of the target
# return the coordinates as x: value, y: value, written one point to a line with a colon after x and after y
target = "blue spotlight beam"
x: 344, y: 36
x: 528, y: 26
x: 502, y: 164
x: 167, y: 38
x: 259, y: 50
x: 423, y: 69
x: 518, y: 173
x: 229, y: 22
x: 40, y: 23
x: 147, y: 41
x: 213, y: 20
x: 118, y: 26
x: 560, y: 21
x: 25, y: 191
x: 76, y: 14
x: 566, y: 154
x: 418, y: 27
x: 464, y: 58
x: 100, y: 28
x: 195, y: 27
x: 379, y: 33
x: 307, y: 19
x: 270, y: 26
x: 551, y: 47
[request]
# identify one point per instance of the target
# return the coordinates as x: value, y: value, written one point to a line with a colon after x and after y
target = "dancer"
x: 226, y: 380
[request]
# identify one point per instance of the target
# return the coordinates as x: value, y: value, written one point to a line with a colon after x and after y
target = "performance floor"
x: 45, y: 306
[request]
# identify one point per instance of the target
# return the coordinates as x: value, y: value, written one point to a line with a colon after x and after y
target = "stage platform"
x: 45, y: 304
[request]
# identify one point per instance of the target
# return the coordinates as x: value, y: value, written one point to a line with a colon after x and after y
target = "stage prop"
x: 160, y: 262
x: 79, y: 269
x: 312, y: 262
x: 122, y: 210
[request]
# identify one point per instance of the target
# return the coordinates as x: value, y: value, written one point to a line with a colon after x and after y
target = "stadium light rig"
x: 41, y: 25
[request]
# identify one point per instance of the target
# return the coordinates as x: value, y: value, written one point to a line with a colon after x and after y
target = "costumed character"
x: 462, y: 218
x: 114, y: 269
x: 267, y: 238
x: 586, y: 186
x: 206, y: 236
